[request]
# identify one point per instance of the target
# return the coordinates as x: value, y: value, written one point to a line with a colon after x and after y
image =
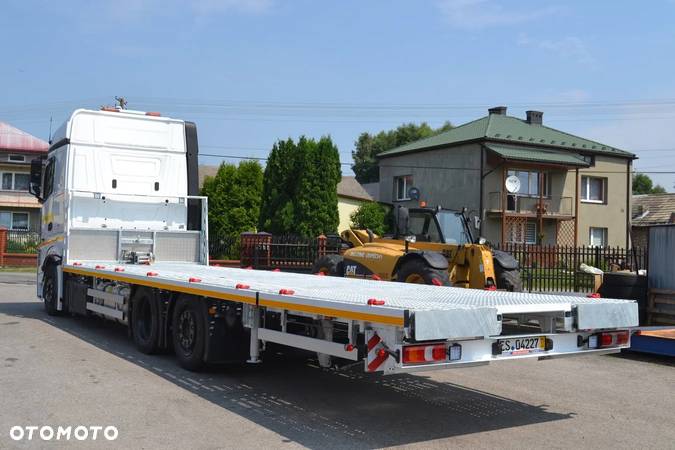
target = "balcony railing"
x: 530, y: 205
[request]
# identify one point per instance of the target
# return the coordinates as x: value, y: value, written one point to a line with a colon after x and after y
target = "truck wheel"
x: 417, y: 271
x: 49, y: 290
x: 145, y: 321
x: 189, y: 333
x: 509, y: 280
x: 331, y: 265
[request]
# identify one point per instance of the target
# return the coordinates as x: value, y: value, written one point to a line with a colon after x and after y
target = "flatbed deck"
x: 470, y: 312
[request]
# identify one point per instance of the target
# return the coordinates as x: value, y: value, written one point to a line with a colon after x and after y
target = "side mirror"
x: 35, y: 184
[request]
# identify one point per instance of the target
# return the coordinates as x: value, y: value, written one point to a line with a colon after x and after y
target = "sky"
x: 250, y: 72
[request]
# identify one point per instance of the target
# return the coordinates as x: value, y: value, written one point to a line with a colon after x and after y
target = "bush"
x: 370, y: 215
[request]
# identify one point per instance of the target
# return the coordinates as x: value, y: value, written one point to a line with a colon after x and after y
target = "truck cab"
x: 115, y: 184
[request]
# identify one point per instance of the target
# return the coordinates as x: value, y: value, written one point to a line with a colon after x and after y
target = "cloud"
x: 570, y: 47
x: 478, y: 14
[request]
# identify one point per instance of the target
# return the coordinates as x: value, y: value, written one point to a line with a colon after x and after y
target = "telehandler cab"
x: 429, y: 246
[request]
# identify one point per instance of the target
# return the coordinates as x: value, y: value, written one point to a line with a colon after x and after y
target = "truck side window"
x: 49, y: 179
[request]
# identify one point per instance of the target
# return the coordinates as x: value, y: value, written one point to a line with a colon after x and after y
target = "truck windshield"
x: 452, y: 226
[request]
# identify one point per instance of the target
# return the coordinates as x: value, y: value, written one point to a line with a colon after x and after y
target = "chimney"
x: 534, y: 117
x: 499, y: 110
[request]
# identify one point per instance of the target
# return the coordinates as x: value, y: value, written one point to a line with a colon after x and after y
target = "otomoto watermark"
x: 63, y: 433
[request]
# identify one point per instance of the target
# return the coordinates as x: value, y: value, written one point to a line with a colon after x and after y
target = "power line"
x: 405, y: 166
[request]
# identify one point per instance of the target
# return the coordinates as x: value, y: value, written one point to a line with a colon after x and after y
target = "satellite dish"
x: 414, y: 193
x: 512, y: 184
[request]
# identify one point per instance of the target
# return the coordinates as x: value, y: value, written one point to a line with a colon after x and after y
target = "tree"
x: 300, y: 188
x: 370, y: 215
x: 234, y: 198
x: 642, y: 184
x: 367, y: 146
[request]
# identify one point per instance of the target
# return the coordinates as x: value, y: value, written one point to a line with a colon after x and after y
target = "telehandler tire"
x: 331, y: 265
x: 508, y: 280
x: 417, y: 271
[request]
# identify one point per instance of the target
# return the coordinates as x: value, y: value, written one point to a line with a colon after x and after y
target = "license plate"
x: 522, y: 346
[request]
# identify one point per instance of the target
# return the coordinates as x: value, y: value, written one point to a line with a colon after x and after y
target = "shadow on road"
x: 318, y: 408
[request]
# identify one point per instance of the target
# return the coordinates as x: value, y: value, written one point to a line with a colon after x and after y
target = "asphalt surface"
x: 75, y: 371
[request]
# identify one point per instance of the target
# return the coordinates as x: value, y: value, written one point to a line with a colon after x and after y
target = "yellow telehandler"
x: 429, y: 246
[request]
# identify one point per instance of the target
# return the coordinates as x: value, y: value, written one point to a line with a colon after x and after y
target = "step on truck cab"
x: 125, y: 237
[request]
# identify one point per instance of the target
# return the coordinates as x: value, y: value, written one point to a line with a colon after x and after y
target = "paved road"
x: 69, y: 371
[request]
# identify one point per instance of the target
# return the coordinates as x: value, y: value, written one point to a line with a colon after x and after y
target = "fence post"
x: 3, y: 245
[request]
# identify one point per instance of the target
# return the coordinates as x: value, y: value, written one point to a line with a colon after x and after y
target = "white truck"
x: 124, y: 237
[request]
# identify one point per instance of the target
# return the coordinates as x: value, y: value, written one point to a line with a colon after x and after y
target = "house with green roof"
x: 522, y: 181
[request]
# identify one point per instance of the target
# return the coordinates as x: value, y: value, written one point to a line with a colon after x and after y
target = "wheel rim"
x: 187, y: 331
x: 414, y: 278
x: 48, y: 292
x: 144, y: 327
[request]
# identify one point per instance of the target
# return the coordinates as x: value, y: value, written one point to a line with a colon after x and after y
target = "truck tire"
x: 145, y: 321
x: 189, y: 332
x: 50, y: 291
x: 508, y: 280
x: 418, y: 271
x: 331, y: 265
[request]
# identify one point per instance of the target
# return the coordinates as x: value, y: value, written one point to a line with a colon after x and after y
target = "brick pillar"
x: 3, y: 245
x: 321, y: 241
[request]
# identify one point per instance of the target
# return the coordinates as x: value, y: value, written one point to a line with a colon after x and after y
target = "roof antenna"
x: 50, y: 130
x: 121, y: 101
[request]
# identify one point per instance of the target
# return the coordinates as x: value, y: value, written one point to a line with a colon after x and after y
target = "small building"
x: 19, y: 210
x: 650, y: 210
x: 562, y: 189
x: 350, y: 196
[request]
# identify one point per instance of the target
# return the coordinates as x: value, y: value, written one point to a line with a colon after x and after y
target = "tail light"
x: 415, y: 354
x: 609, y: 339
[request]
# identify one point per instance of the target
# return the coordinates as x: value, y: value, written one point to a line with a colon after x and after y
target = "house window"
x: 523, y: 233
x: 598, y: 237
x: 15, y: 181
x: 14, y: 220
x: 16, y: 158
x: 593, y: 189
x: 401, y: 186
x: 529, y: 182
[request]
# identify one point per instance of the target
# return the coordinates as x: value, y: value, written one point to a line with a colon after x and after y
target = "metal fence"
x: 22, y: 241
x: 287, y: 252
x: 555, y: 268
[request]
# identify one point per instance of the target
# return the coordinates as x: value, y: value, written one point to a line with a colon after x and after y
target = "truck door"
x: 53, y: 212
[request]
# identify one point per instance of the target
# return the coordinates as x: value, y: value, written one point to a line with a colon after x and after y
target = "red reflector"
x: 321, y: 274
x: 100, y: 267
x: 152, y: 274
x: 349, y: 347
x: 109, y: 109
x: 593, y: 295
x: 606, y: 339
x: 276, y: 270
x: 381, y: 353
x: 194, y: 280
x: 424, y: 353
x: 286, y: 292
x: 376, y: 277
x: 77, y: 263
x: 492, y: 287
x: 374, y: 301
x: 153, y: 114
x: 436, y: 282
x: 622, y: 338
x: 242, y: 286
x: 119, y: 269
x: 249, y: 267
